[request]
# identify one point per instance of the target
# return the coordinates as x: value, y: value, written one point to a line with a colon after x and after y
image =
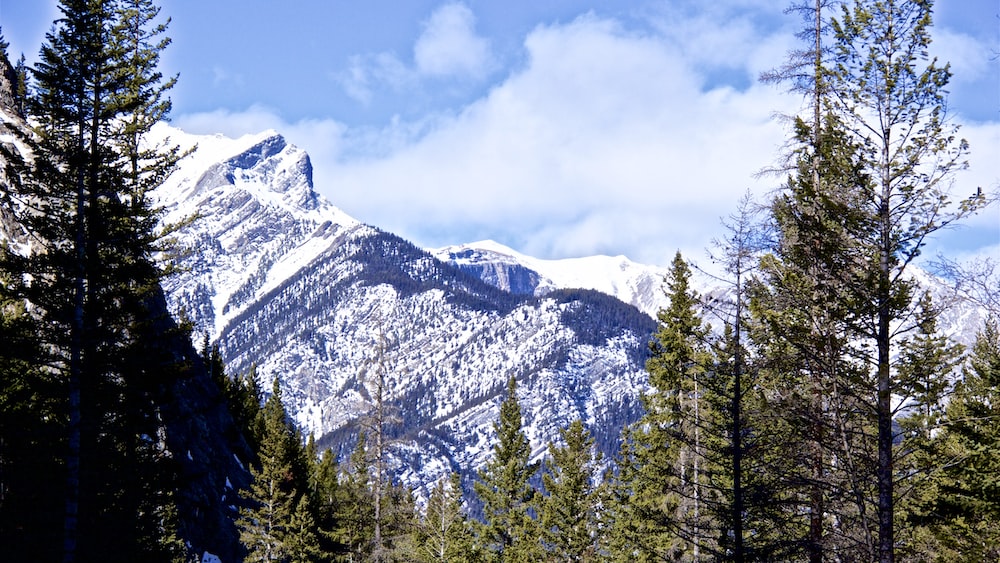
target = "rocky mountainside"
x: 286, y: 282
x: 290, y: 285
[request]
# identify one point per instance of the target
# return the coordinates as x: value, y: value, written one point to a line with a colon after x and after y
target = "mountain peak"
x: 504, y: 267
x: 258, y: 219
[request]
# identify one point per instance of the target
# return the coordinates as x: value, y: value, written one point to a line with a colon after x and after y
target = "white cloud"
x: 449, y: 45
x: 229, y: 123
x: 971, y: 59
x: 605, y: 141
x: 223, y: 78
x: 370, y: 72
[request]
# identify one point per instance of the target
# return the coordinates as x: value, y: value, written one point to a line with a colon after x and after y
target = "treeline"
x: 303, y: 505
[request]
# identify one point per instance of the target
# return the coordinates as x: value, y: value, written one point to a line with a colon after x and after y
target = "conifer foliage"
x: 510, y: 531
x: 279, y: 523
x: 444, y: 534
x: 123, y: 449
x: 662, y: 475
x: 90, y: 278
x: 831, y: 422
x: 874, y: 185
x: 568, y: 515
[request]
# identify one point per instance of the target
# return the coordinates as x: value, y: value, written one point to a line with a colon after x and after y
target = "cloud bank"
x: 604, y: 140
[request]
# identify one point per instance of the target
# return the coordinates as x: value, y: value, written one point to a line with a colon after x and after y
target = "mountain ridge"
x: 289, y: 285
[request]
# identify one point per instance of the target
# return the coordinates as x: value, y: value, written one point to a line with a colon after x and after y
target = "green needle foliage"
x: 568, y: 515
x: 444, y: 534
x: 510, y: 532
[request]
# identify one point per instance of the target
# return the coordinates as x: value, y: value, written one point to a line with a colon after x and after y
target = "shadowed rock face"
x: 8, y: 86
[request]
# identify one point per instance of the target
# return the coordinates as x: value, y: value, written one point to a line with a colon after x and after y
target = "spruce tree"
x: 568, y: 514
x: 959, y: 512
x: 278, y: 524
x: 801, y: 312
x: 927, y: 360
x: 94, y: 283
x: 324, y: 482
x: 891, y: 98
x: 444, y: 534
x: 510, y: 532
x: 355, y: 515
x: 662, y: 477
x: 743, y: 446
x: 883, y: 98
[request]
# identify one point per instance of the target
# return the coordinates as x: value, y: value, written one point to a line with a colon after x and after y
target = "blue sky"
x: 560, y: 128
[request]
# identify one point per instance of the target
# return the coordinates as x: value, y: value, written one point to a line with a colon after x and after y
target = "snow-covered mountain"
x: 637, y: 284
x: 286, y: 282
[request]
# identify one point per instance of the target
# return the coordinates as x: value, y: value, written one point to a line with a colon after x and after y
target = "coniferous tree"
x: 355, y: 516
x: 21, y: 87
x: 302, y: 537
x: 278, y: 524
x: 801, y: 325
x: 927, y: 362
x: 743, y: 445
x: 568, y: 515
x: 400, y: 524
x: 885, y: 98
x: 659, y: 510
x: 444, y: 534
x: 93, y: 282
x: 31, y: 439
x: 510, y: 532
x: 957, y: 518
x: 324, y: 482
x: 890, y: 97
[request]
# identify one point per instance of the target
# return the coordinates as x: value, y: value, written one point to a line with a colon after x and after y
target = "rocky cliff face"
x: 286, y: 282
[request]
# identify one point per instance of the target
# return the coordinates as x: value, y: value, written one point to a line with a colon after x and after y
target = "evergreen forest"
x: 823, y: 417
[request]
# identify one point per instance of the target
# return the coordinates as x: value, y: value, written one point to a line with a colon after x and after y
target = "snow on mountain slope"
x: 637, y: 284
x: 284, y: 281
x: 256, y: 221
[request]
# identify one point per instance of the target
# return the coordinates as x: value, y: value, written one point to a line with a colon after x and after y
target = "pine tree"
x: 957, y: 517
x: 568, y: 515
x: 302, y: 538
x: 743, y: 446
x: 355, y: 516
x: 21, y: 87
x: 510, y: 532
x: 891, y: 100
x: 926, y: 361
x: 400, y: 524
x: 883, y: 100
x: 324, y: 482
x: 278, y: 524
x: 801, y: 325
